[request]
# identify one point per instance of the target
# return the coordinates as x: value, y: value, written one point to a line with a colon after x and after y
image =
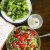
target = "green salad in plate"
x: 23, y: 38
x: 15, y: 9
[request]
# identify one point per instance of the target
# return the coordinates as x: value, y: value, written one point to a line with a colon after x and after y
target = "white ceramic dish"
x: 18, y: 20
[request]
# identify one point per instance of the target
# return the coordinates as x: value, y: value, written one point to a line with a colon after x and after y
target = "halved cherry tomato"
x: 32, y: 33
x: 34, y: 46
x: 22, y: 46
x: 25, y: 35
x: 27, y: 31
x: 29, y: 40
x: 16, y: 35
x: 21, y: 38
x: 17, y: 43
x: 17, y: 31
x: 31, y: 45
x: 14, y: 44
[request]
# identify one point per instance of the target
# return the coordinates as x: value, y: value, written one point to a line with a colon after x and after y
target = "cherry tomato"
x: 17, y: 31
x: 21, y: 38
x: 22, y: 46
x: 34, y: 46
x: 29, y: 40
x: 32, y: 33
x: 25, y: 35
x: 14, y: 44
x: 17, y: 43
x: 31, y: 45
x: 16, y: 35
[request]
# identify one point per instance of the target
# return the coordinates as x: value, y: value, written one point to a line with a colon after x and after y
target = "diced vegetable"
x: 16, y: 35
x: 32, y: 33
x: 22, y: 46
x: 25, y: 35
x: 21, y: 38
x: 29, y: 40
x: 14, y: 44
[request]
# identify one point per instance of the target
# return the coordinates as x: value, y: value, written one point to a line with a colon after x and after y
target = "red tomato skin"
x: 34, y: 46
x: 31, y: 45
x: 29, y: 40
x: 21, y: 38
x: 17, y: 31
x: 14, y: 44
x: 25, y: 35
x: 16, y: 35
x: 22, y: 46
x: 17, y: 43
x: 32, y: 33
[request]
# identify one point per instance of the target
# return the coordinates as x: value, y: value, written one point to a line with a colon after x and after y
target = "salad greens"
x: 15, y: 9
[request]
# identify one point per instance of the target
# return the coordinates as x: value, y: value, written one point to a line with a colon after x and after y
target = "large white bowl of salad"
x: 23, y: 38
x: 15, y: 11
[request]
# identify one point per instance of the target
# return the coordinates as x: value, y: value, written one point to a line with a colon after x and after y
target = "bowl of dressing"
x: 35, y: 21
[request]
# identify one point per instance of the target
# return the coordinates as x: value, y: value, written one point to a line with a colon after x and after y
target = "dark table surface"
x: 42, y: 7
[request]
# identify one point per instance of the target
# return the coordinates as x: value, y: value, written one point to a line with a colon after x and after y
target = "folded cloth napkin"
x: 5, y: 29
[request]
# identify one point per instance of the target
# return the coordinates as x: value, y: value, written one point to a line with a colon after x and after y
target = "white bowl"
x: 35, y: 21
x: 17, y: 20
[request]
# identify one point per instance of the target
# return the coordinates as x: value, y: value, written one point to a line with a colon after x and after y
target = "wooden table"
x: 42, y: 7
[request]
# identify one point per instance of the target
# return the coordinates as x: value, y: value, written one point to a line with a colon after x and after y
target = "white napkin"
x: 5, y: 29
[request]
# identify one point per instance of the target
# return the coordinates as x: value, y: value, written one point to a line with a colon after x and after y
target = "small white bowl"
x: 17, y: 20
x: 35, y: 21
